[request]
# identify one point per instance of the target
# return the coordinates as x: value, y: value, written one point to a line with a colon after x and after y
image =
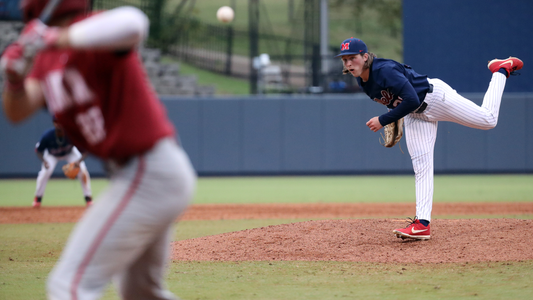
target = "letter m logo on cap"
x: 345, y: 46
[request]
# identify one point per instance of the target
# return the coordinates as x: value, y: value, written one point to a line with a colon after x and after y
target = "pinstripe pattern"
x: 445, y: 104
x: 420, y: 138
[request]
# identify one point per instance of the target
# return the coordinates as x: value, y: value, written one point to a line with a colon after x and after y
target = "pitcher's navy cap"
x: 352, y: 46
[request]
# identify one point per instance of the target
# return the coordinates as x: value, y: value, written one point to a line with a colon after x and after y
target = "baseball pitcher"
x: 421, y: 102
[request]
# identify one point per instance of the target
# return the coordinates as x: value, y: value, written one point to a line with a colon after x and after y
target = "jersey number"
x: 92, y: 126
x: 66, y: 88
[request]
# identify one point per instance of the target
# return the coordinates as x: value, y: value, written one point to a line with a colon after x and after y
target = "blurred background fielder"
x: 55, y: 146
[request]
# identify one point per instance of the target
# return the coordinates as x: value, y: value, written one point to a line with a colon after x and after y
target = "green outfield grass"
x: 312, y: 189
x: 29, y: 251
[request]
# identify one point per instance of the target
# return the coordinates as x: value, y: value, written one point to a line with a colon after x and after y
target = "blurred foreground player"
x: 55, y: 146
x: 86, y: 70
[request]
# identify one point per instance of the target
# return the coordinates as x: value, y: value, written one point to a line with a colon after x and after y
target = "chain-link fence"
x: 294, y: 63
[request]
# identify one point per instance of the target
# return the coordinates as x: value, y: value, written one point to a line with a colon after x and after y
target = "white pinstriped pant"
x: 445, y: 104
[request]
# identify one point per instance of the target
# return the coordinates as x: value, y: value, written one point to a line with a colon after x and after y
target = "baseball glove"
x: 393, y: 133
x: 71, y: 170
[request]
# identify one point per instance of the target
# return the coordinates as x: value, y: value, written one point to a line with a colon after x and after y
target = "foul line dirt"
x: 18, y: 215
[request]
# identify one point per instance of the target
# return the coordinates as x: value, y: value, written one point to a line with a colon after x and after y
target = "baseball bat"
x: 48, y: 10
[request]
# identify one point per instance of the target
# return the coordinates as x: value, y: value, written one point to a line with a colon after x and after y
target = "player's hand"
x: 14, y: 66
x: 374, y: 124
x: 36, y: 36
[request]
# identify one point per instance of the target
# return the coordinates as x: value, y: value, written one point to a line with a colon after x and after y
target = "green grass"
x: 28, y: 252
x: 23, y: 272
x: 20, y: 192
x: 335, y: 280
x: 312, y: 189
x: 362, y: 189
x: 224, y: 85
x: 315, y: 280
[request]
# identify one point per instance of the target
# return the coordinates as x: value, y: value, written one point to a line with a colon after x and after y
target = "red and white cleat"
x: 510, y: 65
x: 415, y: 230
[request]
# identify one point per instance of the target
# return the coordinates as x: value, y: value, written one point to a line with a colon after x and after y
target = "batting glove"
x: 36, y: 36
x: 15, y: 66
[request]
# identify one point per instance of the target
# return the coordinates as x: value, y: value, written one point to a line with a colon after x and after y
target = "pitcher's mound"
x: 369, y: 240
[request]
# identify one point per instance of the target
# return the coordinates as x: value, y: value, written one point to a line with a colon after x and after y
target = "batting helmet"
x: 31, y: 9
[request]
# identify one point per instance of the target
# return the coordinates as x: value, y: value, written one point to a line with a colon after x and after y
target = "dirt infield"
x: 370, y: 240
x: 17, y: 215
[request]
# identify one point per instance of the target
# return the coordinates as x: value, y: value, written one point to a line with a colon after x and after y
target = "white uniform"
x: 72, y: 156
x: 445, y: 104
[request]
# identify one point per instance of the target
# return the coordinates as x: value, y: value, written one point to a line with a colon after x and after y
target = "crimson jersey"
x: 103, y: 100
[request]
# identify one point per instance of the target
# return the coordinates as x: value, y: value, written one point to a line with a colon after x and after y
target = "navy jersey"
x: 55, y: 145
x: 396, y: 86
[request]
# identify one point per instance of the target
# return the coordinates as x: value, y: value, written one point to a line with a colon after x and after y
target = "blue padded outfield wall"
x: 304, y: 135
x: 454, y: 39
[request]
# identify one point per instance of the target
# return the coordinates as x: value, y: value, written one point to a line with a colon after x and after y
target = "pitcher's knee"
x: 490, y: 124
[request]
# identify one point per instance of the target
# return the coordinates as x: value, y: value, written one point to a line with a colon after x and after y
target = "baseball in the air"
x: 225, y: 14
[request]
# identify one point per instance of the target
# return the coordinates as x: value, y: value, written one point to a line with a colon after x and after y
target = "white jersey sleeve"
x: 119, y: 28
